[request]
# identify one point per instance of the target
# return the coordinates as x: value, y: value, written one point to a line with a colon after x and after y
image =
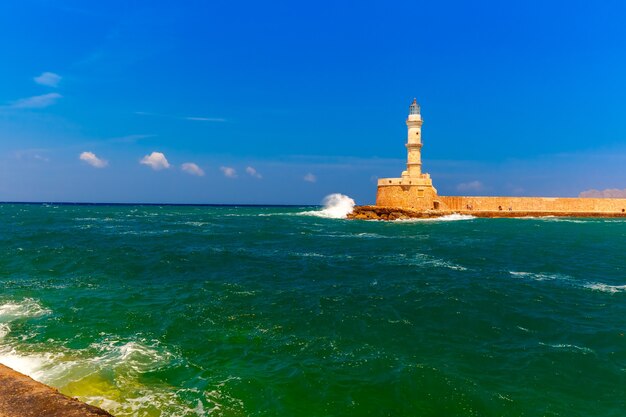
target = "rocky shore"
x: 24, y: 397
x: 397, y: 213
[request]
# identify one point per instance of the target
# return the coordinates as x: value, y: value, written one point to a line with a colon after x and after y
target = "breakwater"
x: 400, y: 213
x: 22, y: 396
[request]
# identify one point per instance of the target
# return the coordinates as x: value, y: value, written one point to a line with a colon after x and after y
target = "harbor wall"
x: 424, y: 197
x: 530, y: 204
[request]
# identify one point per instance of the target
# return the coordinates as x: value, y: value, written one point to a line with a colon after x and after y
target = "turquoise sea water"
x: 273, y: 311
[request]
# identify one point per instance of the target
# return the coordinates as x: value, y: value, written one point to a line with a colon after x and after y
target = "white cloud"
x: 608, y: 193
x: 36, y: 102
x: 156, y: 161
x: 93, y: 160
x: 192, y: 169
x: 473, y: 186
x: 310, y: 178
x: 49, y: 79
x: 253, y: 172
x: 229, y: 172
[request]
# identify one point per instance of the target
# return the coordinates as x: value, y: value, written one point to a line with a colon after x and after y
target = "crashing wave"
x: 336, y: 206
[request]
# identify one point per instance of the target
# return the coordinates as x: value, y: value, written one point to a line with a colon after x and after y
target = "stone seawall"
x: 425, y: 198
x: 24, y: 397
x: 398, y: 213
x: 534, y: 204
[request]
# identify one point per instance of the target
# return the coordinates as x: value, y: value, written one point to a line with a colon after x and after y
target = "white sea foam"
x: 28, y: 365
x: 5, y: 329
x: 529, y: 275
x: 28, y: 307
x: 38, y: 366
x: 370, y: 235
x: 336, y: 206
x: 147, y: 402
x: 447, y: 218
x: 11, y: 311
x: 539, y: 276
x: 595, y: 286
x: 126, y: 359
x: 308, y: 254
x: 197, y: 224
x: 134, y: 356
x: 598, y: 286
x: 566, y: 220
x: 565, y: 346
x: 428, y: 260
x: 421, y: 259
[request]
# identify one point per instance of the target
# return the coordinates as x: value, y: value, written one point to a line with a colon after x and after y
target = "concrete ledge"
x: 24, y: 397
x: 398, y: 213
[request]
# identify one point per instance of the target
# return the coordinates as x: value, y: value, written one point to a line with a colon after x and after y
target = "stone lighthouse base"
x: 414, y: 193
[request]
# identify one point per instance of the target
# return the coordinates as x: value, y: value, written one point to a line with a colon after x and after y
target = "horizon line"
x: 70, y: 203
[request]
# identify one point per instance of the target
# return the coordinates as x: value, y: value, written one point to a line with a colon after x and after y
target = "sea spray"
x: 336, y: 206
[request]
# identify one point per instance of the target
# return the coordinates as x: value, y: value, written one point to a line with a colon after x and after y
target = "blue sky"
x: 286, y: 102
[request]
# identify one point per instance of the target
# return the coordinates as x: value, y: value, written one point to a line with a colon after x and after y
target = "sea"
x: 164, y: 310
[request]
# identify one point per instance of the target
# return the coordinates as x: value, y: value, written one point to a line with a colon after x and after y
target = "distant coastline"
x: 69, y: 203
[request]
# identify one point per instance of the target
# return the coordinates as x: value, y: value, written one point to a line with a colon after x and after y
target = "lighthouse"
x: 414, y: 142
x: 414, y: 189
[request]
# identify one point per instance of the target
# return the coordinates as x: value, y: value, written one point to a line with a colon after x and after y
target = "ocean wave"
x: 539, y: 276
x: 370, y: 235
x: 598, y: 286
x: 308, y: 254
x: 424, y: 260
x: 108, y: 374
x: 570, y: 347
x: 594, y: 286
x: 336, y: 206
x: 36, y: 365
x: 28, y: 307
x: 190, y: 223
x: 441, y: 263
x: 135, y: 355
x: 150, y: 402
x: 566, y: 220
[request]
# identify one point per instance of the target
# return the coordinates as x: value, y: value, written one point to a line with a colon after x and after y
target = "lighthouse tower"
x: 414, y: 189
x: 414, y: 142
